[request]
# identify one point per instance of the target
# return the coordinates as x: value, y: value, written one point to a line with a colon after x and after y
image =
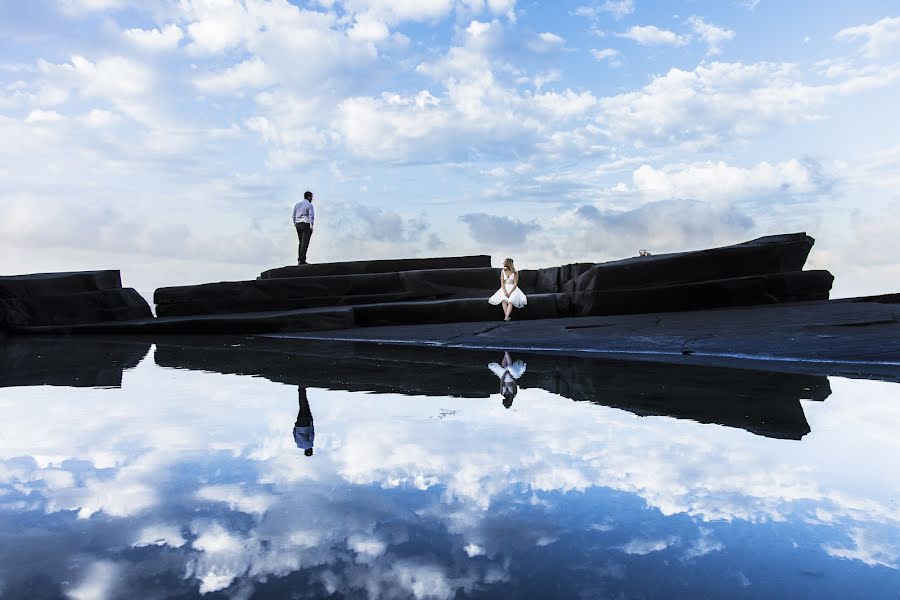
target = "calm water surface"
x: 181, y: 469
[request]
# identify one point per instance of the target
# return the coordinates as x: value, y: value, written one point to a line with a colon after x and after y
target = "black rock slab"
x: 763, y: 256
x: 335, y: 290
x: 87, y: 307
x: 67, y: 298
x: 540, y: 306
x: 552, y: 279
x: 314, y: 319
x: 58, y: 284
x: 721, y: 293
x: 379, y: 266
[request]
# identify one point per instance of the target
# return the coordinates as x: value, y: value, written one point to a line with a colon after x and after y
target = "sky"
x: 171, y: 138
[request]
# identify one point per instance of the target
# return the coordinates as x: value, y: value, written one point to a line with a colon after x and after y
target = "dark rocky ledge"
x: 362, y: 267
x: 454, y: 289
x: 427, y: 291
x: 63, y: 299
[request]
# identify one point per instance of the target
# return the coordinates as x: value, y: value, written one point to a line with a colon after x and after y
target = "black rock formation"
x: 433, y: 290
x: 54, y: 299
x: 395, y: 265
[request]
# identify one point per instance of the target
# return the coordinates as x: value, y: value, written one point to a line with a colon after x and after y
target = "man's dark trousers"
x: 304, y: 233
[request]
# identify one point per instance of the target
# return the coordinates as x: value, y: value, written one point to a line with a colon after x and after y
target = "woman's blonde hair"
x: 508, y: 264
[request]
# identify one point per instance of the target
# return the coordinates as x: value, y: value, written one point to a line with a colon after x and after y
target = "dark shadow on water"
x: 762, y: 402
x: 68, y: 362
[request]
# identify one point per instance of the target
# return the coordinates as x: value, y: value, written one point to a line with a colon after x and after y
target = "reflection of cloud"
x: 875, y: 548
x: 160, y: 534
x: 642, y: 546
x: 98, y: 582
x: 236, y: 498
x: 470, y: 478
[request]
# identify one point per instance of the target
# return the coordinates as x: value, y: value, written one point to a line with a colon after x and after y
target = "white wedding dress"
x: 516, y: 297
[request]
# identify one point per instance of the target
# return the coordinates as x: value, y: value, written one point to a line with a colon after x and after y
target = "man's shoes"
x: 301, y: 262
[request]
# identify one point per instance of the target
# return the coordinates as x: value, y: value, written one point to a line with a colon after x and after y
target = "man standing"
x: 304, y: 220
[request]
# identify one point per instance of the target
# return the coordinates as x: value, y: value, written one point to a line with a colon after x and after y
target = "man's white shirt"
x: 305, y: 213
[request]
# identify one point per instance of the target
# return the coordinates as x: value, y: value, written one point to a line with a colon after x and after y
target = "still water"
x: 246, y: 468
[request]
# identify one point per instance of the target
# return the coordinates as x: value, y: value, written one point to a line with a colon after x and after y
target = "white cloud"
x: 251, y: 73
x: 546, y: 42
x: 77, y: 7
x: 651, y: 35
x: 367, y: 29
x: 713, y: 36
x: 155, y: 40
x: 43, y: 116
x: 721, y: 101
x: 721, y: 181
x: 396, y: 11
x: 879, y: 39
x: 611, y: 55
x: 618, y: 8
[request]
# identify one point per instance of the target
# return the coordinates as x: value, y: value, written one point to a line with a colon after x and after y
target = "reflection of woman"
x: 509, y: 294
x: 508, y: 372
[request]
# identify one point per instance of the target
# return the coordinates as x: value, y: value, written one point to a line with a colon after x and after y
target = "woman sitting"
x: 509, y: 294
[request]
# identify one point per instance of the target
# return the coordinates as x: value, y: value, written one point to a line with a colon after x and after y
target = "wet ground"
x: 250, y: 467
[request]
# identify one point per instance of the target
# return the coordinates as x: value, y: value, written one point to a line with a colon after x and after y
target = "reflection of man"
x: 508, y: 371
x: 304, y: 432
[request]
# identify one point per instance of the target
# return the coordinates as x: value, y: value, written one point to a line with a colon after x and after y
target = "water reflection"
x: 185, y: 482
x: 304, y: 432
x: 764, y: 403
x: 509, y: 372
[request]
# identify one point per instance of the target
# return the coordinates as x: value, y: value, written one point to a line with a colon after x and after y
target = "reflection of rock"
x: 66, y: 362
x: 60, y: 299
x: 765, y: 403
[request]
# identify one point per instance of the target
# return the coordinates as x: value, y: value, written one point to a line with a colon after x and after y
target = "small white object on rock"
x: 644, y: 252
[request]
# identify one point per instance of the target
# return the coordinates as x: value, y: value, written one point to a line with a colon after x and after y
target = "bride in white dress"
x: 509, y: 294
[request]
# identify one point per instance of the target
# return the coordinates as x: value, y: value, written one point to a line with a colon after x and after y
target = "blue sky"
x: 170, y: 139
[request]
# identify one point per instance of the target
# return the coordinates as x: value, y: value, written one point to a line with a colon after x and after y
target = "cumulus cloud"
x: 496, y: 230
x: 721, y: 181
x: 721, y: 101
x: 651, y: 35
x: 616, y: 8
x: 155, y: 40
x: 78, y: 7
x: 713, y: 36
x: 251, y: 73
x: 546, y: 42
x: 879, y: 39
x: 611, y: 55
